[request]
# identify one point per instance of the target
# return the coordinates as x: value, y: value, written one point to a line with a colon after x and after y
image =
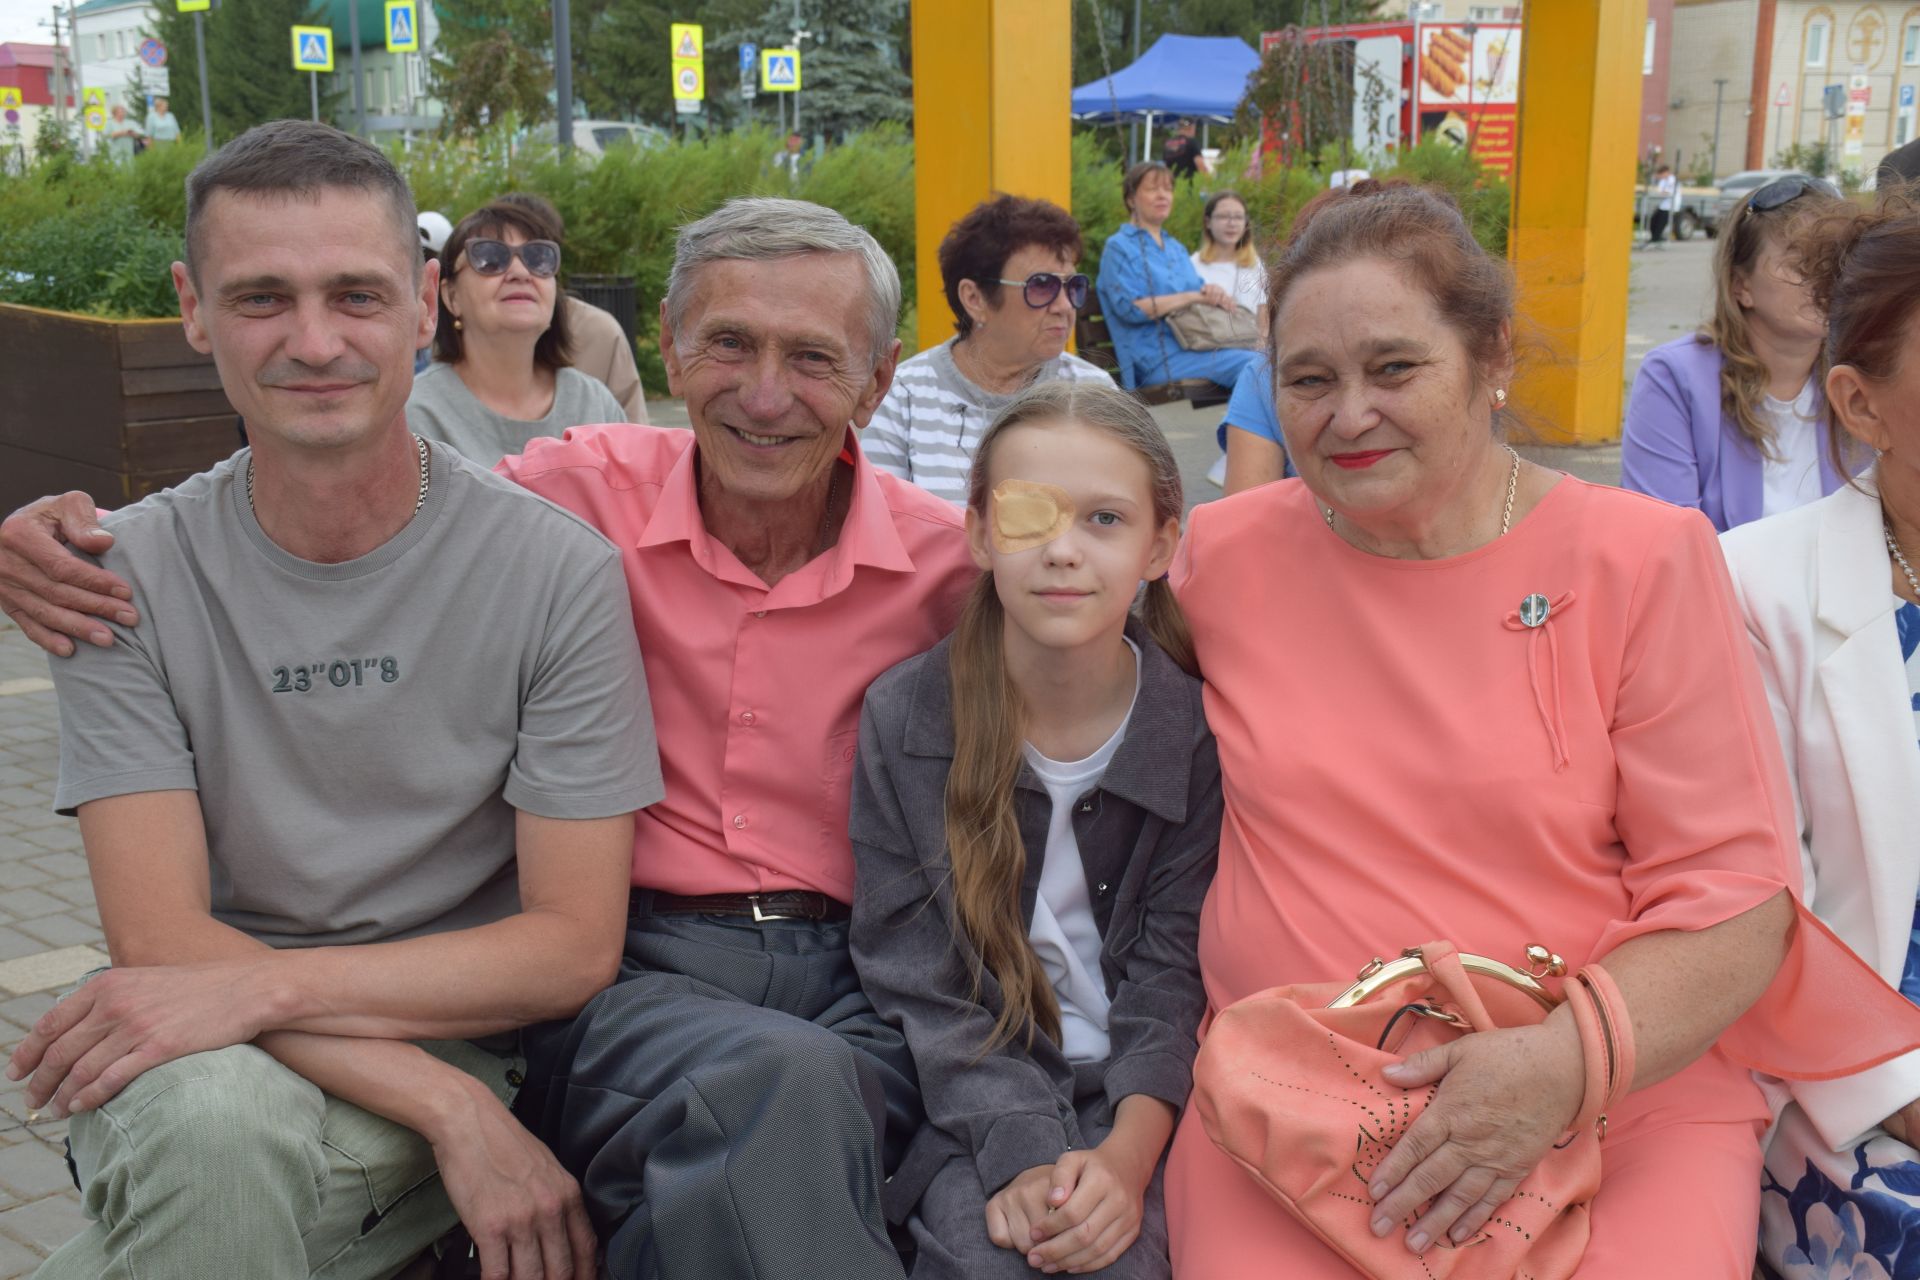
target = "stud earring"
x: 457, y: 326
x: 1499, y: 396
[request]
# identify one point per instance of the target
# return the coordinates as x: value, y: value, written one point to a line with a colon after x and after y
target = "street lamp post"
x: 1719, y: 88
x: 563, y: 72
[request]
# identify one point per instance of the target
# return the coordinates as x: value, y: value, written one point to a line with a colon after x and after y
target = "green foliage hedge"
x: 97, y: 237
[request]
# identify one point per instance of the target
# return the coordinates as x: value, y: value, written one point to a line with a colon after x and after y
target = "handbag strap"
x: 1606, y: 1046
x: 1159, y: 321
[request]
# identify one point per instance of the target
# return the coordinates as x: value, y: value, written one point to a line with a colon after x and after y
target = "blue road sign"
x: 748, y: 52
x: 153, y: 53
x: 781, y: 69
x: 1906, y: 95
x: 403, y: 27
x: 312, y: 48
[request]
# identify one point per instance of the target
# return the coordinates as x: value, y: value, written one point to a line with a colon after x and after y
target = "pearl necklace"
x: 421, y: 501
x: 1893, y: 545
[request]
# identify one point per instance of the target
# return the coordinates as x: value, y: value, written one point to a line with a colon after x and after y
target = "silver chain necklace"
x: 421, y: 501
x: 1900, y: 557
x: 1513, y: 485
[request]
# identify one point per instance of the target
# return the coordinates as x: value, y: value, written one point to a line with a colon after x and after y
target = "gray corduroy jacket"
x: 1148, y: 835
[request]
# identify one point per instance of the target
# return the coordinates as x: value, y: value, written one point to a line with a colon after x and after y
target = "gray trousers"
x: 949, y: 1227
x: 227, y: 1164
x: 725, y: 1104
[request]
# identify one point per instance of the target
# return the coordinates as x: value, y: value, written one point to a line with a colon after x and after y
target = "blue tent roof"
x: 1198, y: 76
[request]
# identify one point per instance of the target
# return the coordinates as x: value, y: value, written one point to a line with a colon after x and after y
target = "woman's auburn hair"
x: 1743, y: 378
x: 978, y: 246
x: 984, y: 846
x: 536, y: 219
x: 1240, y: 254
x: 1863, y: 266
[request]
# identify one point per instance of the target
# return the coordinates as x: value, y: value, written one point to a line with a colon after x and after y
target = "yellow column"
x: 992, y: 88
x: 1573, y: 207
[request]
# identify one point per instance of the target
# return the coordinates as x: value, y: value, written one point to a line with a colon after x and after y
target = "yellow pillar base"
x: 1571, y: 235
x: 992, y: 106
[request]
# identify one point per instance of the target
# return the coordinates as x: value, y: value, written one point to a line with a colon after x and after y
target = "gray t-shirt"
x: 441, y: 408
x: 361, y: 734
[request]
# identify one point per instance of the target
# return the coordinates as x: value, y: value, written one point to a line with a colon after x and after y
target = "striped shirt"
x: 927, y: 428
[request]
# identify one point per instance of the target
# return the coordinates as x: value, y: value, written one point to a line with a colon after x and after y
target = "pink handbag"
x: 1288, y: 1084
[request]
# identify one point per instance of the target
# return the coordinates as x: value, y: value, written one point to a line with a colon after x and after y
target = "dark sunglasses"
x: 1042, y: 287
x: 493, y: 257
x: 1778, y: 192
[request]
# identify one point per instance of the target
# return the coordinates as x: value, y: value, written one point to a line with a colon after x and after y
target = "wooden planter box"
x: 117, y: 408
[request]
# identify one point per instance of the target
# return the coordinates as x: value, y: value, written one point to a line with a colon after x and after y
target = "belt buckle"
x: 761, y: 917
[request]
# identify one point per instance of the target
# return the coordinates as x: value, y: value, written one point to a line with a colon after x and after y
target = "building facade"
x: 1789, y: 74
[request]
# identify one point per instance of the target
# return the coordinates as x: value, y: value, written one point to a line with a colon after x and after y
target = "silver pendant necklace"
x: 420, y: 501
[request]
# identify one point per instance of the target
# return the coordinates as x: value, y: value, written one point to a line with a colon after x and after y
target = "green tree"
x: 621, y: 56
x: 853, y: 63
x: 493, y: 58
x: 249, y: 63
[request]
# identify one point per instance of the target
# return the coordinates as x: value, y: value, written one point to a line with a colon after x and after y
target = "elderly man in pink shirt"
x: 732, y: 1104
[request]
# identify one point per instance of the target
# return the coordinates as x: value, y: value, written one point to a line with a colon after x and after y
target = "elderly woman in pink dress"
x: 1485, y: 702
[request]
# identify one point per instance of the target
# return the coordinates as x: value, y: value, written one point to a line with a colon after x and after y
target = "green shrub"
x: 107, y: 261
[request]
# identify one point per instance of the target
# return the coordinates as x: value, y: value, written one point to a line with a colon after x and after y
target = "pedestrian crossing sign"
x: 194, y: 6
x: 403, y: 27
x: 686, y: 40
x: 780, y: 70
x: 313, y: 48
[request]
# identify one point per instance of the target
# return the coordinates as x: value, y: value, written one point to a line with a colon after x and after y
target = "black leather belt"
x: 789, y: 904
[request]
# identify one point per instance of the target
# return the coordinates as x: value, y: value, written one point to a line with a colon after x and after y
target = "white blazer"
x: 1815, y: 586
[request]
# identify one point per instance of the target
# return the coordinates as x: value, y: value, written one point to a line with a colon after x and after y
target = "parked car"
x: 1695, y: 205
x: 1741, y: 185
x: 595, y: 138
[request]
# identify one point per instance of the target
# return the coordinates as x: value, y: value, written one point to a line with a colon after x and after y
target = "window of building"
x: 100, y: 46
x: 1910, y: 46
x: 126, y: 42
x: 1817, y: 42
x: 1646, y: 53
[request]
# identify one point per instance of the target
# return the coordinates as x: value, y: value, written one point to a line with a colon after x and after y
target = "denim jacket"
x: 1148, y: 836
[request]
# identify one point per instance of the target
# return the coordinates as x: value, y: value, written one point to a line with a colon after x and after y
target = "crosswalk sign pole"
x: 313, y: 83
x: 206, y: 97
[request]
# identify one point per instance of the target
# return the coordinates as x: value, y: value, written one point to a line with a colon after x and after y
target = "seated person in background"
x: 598, y: 345
x: 1145, y: 276
x: 1050, y: 1091
x: 1730, y: 420
x: 1009, y: 272
x: 1226, y: 255
x: 356, y: 790
x: 503, y: 354
x: 1832, y: 605
x: 1256, y: 451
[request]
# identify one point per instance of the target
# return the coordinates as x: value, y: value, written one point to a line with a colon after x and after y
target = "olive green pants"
x: 227, y: 1164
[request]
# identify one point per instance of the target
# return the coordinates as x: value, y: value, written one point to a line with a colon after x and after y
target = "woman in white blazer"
x: 1832, y: 606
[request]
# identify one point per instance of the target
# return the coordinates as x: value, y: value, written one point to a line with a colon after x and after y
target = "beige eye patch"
x: 1028, y: 515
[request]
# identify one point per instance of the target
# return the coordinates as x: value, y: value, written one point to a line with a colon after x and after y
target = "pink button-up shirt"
x: 756, y: 689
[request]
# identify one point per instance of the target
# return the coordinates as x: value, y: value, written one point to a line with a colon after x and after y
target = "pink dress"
x: 1406, y: 760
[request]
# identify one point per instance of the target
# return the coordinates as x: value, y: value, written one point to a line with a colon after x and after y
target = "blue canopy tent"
x: 1180, y: 77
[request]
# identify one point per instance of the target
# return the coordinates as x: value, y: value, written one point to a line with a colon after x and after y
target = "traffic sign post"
x: 749, y: 83
x: 313, y: 53
x: 780, y: 70
x: 403, y: 27
x: 689, y: 67
x: 153, y: 53
x: 11, y: 102
x: 198, y: 8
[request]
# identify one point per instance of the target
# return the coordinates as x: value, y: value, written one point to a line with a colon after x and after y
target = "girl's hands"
x: 1096, y: 1203
x: 1017, y: 1208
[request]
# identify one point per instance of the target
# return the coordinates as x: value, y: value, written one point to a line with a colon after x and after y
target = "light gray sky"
x: 19, y: 19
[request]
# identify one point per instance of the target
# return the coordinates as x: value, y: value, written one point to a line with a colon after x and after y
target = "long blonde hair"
x: 989, y: 724
x: 1743, y: 378
x: 1241, y: 253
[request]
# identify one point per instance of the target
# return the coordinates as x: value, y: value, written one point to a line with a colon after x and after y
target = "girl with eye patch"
x: 1035, y: 817
x: 503, y: 364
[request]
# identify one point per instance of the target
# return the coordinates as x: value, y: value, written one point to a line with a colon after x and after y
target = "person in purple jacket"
x: 1731, y: 419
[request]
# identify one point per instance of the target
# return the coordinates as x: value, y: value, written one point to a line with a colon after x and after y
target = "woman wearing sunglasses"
x: 502, y: 373
x: 1008, y: 268
x: 1731, y: 420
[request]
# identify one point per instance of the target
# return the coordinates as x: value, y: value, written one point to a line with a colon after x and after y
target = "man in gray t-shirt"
x: 356, y: 787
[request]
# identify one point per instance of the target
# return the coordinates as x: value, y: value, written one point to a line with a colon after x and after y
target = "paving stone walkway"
x: 49, y: 936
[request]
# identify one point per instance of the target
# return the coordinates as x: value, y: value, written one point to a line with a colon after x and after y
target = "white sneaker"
x: 1217, y: 473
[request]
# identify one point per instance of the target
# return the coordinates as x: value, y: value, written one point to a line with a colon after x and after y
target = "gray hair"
x: 758, y: 228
